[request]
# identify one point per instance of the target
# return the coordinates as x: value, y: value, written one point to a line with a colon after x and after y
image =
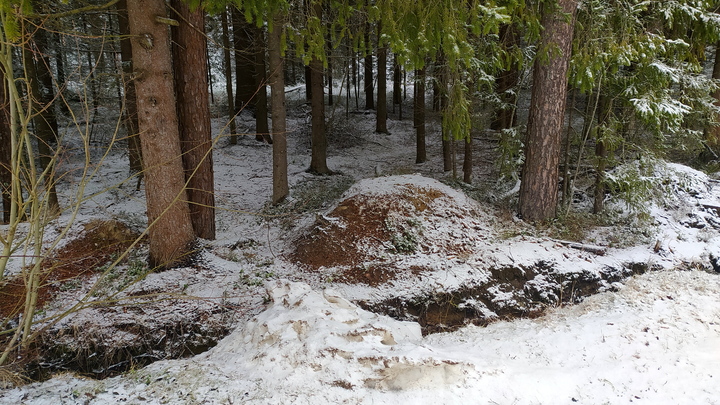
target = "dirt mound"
x: 426, y: 252
x: 100, y: 242
x: 370, y: 232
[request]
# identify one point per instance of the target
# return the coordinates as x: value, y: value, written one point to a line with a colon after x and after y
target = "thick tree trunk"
x: 244, y: 60
x: 277, y: 103
x: 382, y: 111
x: 368, y: 77
x: 45, y: 121
x: 191, y: 89
x: 419, y: 115
x: 539, y: 187
x: 262, y: 128
x: 170, y: 229
x: 130, y: 119
x: 227, y: 65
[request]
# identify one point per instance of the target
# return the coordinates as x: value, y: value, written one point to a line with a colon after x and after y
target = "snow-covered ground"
x: 654, y: 339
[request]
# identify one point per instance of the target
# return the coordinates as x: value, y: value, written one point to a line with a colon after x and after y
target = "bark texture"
x: 318, y: 159
x: 191, y: 89
x: 419, y: 116
x: 227, y: 65
x: 170, y: 229
x: 130, y: 119
x: 539, y: 187
x: 382, y: 110
x: 244, y: 60
x: 277, y: 105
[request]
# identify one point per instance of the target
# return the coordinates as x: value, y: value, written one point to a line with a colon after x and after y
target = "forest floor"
x: 383, y: 283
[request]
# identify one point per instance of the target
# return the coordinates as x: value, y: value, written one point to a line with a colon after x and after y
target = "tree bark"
x: 468, y: 160
x: 506, y: 115
x: 46, y: 127
x: 262, y: 129
x: 712, y: 133
x: 277, y: 103
x: 191, y: 89
x: 601, y: 152
x: 419, y: 115
x: 130, y: 118
x: 244, y: 61
x: 368, y: 77
x: 539, y: 188
x: 170, y: 229
x: 227, y: 65
x: 382, y: 112
x: 318, y: 159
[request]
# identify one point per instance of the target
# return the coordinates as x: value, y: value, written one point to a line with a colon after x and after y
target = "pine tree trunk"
x: 419, y: 115
x: 506, y: 115
x: 468, y: 160
x: 441, y: 90
x: 397, y: 82
x: 130, y: 118
x: 170, y: 229
x: 46, y: 128
x: 228, y: 76
x: 368, y: 77
x: 244, y: 60
x: 382, y: 112
x: 601, y: 153
x: 262, y: 128
x: 539, y: 187
x: 191, y: 89
x: 277, y: 105
x: 712, y: 133
x: 318, y: 159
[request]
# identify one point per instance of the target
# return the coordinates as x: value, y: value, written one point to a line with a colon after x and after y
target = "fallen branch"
x: 598, y: 250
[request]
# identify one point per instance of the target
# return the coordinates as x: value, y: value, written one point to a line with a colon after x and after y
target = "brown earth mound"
x: 99, y: 243
x: 365, y: 233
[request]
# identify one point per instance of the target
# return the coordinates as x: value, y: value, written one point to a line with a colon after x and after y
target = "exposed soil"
x: 362, y: 241
x: 532, y: 289
x: 99, y: 243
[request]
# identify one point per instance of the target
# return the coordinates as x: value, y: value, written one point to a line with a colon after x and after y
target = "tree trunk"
x: 170, y: 229
x: 419, y: 115
x: 244, y: 60
x: 601, y: 152
x: 506, y: 114
x: 191, y: 89
x: 468, y: 160
x: 712, y: 133
x: 318, y: 160
x: 440, y: 91
x: 277, y: 104
x: 382, y: 111
x: 368, y: 78
x: 130, y: 118
x: 262, y: 130
x: 228, y: 76
x: 46, y: 127
x: 397, y: 82
x: 5, y: 152
x: 539, y: 187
